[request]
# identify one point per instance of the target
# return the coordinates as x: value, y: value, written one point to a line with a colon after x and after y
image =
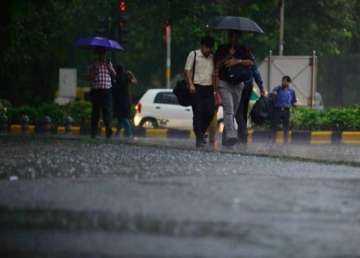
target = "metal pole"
x: 269, y: 71
x: 313, y: 78
x: 168, y: 56
x: 282, y: 20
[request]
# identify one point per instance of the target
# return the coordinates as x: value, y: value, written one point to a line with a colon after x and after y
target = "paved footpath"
x: 331, y: 153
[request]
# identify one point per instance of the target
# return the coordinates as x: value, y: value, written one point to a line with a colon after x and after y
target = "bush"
x: 4, y: 104
x: 54, y: 111
x: 306, y: 119
x: 80, y: 111
x: 337, y: 119
x: 15, y: 114
x: 342, y: 119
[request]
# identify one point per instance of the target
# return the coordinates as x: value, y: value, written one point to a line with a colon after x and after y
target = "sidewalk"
x: 346, y: 154
x: 328, y: 153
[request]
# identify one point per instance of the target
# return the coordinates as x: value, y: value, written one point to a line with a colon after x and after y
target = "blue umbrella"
x: 99, y: 42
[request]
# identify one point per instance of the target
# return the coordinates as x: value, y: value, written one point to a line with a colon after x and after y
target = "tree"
x: 38, y: 36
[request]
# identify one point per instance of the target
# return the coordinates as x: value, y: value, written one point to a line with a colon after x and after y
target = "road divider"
x: 254, y: 136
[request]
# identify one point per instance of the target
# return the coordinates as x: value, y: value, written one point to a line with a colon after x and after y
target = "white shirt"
x: 204, y: 67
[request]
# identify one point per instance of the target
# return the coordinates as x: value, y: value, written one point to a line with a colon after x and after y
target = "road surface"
x: 93, y: 199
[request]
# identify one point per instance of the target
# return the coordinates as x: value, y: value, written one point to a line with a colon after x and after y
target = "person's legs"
x: 230, y: 98
x: 242, y: 113
x: 207, y: 107
x: 126, y: 124
x: 213, y: 129
x: 275, y: 122
x: 196, y: 107
x: 95, y: 112
x: 107, y: 111
x: 236, y: 94
x: 285, y: 123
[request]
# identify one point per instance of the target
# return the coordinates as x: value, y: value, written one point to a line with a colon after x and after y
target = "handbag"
x: 217, y: 99
x: 181, y: 90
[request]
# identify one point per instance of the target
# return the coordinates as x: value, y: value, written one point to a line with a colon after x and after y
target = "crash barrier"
x: 254, y: 136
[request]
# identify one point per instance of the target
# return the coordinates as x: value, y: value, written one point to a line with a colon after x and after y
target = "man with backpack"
x: 199, y: 69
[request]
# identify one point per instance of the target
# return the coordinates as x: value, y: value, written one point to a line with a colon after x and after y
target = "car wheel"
x: 149, y: 123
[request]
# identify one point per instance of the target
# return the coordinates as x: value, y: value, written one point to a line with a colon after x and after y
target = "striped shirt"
x: 100, y: 75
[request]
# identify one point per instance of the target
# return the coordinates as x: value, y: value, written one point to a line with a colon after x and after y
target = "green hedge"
x: 338, y: 119
x: 80, y: 111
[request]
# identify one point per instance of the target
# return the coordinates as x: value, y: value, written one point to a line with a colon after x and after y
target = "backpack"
x: 181, y: 90
x: 262, y: 110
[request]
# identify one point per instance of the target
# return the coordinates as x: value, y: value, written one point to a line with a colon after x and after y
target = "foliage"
x: 15, y: 114
x: 38, y: 36
x: 54, y: 111
x: 337, y: 119
x: 80, y: 111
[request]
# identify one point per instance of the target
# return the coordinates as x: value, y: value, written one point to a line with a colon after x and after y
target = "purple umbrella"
x: 99, y: 42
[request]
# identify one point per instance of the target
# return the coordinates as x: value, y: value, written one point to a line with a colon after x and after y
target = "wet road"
x: 78, y: 199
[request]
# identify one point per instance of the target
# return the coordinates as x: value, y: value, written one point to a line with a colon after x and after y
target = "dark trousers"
x: 203, y: 109
x: 281, y: 115
x: 241, y: 115
x: 101, y: 100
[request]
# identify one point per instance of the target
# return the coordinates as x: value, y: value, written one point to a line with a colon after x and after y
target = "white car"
x: 160, y: 108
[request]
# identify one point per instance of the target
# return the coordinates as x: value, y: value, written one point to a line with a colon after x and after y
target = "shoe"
x: 203, y: 140
x: 230, y: 142
x: 200, y: 143
x: 108, y: 134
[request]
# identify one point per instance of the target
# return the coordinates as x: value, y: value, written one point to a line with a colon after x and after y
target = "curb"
x: 282, y: 154
x: 299, y: 137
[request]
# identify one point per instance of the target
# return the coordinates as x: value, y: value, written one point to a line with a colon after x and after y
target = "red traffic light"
x: 122, y: 6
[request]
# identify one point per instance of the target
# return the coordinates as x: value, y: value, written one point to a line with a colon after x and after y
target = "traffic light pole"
x: 282, y: 21
x: 168, y: 56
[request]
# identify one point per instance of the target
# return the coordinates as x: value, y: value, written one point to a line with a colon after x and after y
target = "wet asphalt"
x: 97, y: 199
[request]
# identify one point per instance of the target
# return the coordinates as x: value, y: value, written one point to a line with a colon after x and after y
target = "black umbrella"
x: 235, y: 23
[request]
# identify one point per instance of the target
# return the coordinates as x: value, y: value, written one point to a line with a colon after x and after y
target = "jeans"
x: 242, y: 113
x: 126, y: 124
x: 101, y: 100
x: 203, y: 109
x: 230, y: 95
x: 281, y: 115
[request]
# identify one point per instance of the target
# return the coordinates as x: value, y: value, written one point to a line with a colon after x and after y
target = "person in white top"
x: 199, y: 69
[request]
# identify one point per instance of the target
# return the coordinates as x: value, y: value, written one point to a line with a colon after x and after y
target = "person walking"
x: 284, y: 98
x: 100, y: 74
x: 232, y: 69
x: 122, y: 99
x: 199, y: 69
x: 241, y: 115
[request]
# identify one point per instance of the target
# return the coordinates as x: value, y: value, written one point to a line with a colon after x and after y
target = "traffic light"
x: 122, y: 6
x: 121, y: 22
x: 122, y: 31
x: 167, y: 31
